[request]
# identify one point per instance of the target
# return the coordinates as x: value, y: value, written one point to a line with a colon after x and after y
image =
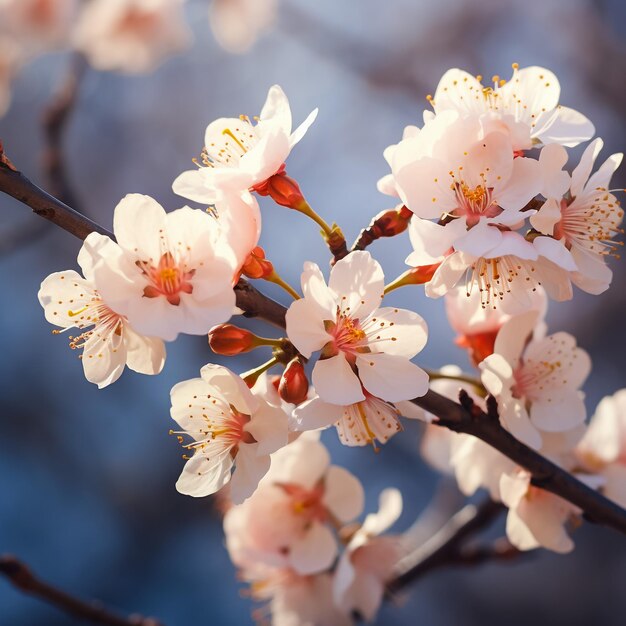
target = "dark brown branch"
x: 54, y: 121
x: 469, y: 419
x: 254, y: 304
x: 463, y: 419
x: 16, y: 185
x: 448, y: 545
x: 22, y: 578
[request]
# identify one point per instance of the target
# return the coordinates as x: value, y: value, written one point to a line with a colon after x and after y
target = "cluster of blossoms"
x: 128, y: 36
x: 485, y: 161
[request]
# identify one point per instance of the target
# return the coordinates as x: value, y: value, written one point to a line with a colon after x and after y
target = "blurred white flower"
x: 239, y: 155
x: 131, y: 36
x: 536, y: 382
x: 368, y: 561
x: 167, y: 273
x: 37, y: 26
x: 527, y: 106
x: 362, y: 346
x: 237, y: 24
x: 285, y: 524
x: 230, y: 427
x: 602, y: 450
x: 108, y: 341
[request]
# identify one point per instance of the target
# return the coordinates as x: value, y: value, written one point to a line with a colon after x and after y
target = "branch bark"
x: 54, y: 121
x: 462, y: 418
x: 448, y: 545
x: 21, y: 577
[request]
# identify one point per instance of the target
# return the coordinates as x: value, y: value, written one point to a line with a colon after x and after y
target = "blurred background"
x: 87, y: 477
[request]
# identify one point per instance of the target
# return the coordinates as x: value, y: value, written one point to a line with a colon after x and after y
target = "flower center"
x: 106, y: 325
x: 347, y: 335
x: 307, y: 503
x: 591, y: 224
x: 474, y: 202
x: 223, y: 428
x: 167, y: 279
x: 533, y: 378
x: 496, y: 277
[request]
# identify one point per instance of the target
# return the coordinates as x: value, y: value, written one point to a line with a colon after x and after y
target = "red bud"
x: 256, y: 265
x: 294, y: 385
x: 229, y: 340
x: 283, y: 189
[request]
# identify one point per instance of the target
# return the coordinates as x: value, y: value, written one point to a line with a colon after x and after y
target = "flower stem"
x: 251, y: 376
x: 462, y: 378
x: 305, y: 208
x: 277, y: 280
x: 414, y: 276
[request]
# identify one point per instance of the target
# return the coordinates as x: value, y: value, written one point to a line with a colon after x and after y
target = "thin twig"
x: 463, y: 418
x: 447, y: 546
x: 21, y: 577
x: 54, y: 121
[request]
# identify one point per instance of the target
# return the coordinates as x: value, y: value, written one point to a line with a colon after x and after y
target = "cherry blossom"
x: 363, y: 348
x: 602, y: 449
x: 368, y: 561
x: 236, y: 24
x: 286, y: 522
x: 36, y: 26
x: 358, y: 424
x: 167, y: 273
x: 306, y: 601
x: 585, y: 222
x: 108, y: 341
x: 527, y: 106
x: 230, y: 427
x: 536, y: 383
x: 240, y: 156
x: 131, y: 36
x: 536, y: 518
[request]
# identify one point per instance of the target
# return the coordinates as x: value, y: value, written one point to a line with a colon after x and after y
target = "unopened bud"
x: 416, y: 276
x: 256, y: 265
x: 283, y: 189
x: 386, y: 224
x: 294, y: 385
x: 229, y: 340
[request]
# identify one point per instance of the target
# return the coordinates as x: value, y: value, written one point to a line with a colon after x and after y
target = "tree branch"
x: 21, y: 577
x: 55, y: 119
x: 16, y: 185
x: 447, y: 546
x: 462, y: 418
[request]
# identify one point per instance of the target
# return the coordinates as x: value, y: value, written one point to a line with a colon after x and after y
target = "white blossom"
x: 536, y: 383
x: 239, y: 155
x: 237, y: 24
x: 168, y: 272
x: 131, y: 36
x: 527, y: 106
x: 108, y: 341
x: 364, y: 347
x: 368, y: 561
x: 230, y: 427
x: 585, y: 222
